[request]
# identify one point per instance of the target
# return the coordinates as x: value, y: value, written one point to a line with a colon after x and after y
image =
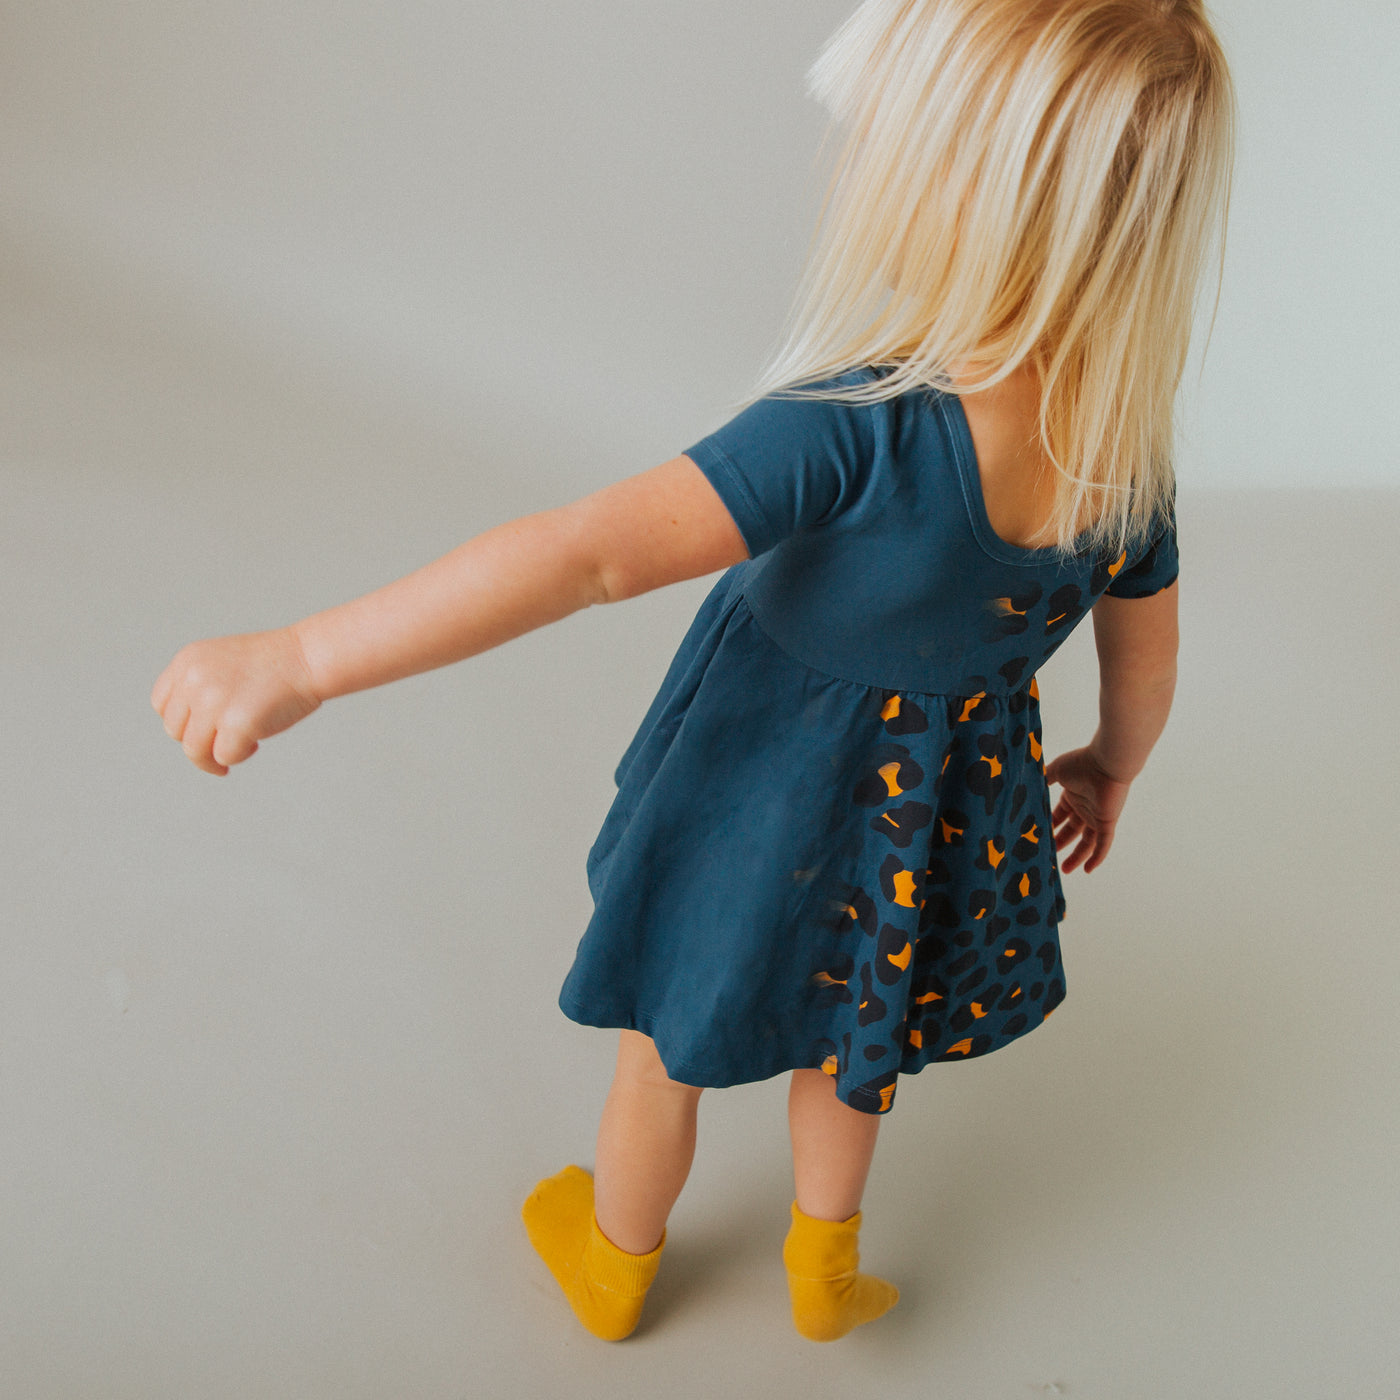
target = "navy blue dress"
x: 831, y: 843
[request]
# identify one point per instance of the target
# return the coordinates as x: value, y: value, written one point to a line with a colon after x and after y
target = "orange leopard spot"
x: 916, y: 1040
x: 1035, y: 690
x: 1025, y: 885
x: 886, y: 1098
x: 901, y: 958
x: 977, y: 1010
x: 1117, y: 564
x: 994, y: 855
x: 928, y: 997
x: 961, y: 1048
x: 1036, y: 749
x: 825, y: 979
x: 890, y: 773
x: 971, y: 704
x: 891, y: 709
x: 904, y: 888
x: 829, y: 1065
x: 949, y: 830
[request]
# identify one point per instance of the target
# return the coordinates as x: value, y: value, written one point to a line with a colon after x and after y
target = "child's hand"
x: 219, y: 697
x: 1088, y: 807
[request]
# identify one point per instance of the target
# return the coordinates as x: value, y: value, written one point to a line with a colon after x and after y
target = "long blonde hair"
x: 1023, y: 182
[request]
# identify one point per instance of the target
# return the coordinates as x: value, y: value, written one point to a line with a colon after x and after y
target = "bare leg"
x: 646, y: 1142
x: 832, y: 1146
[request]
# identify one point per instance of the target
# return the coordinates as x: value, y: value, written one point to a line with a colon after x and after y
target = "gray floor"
x: 279, y: 1054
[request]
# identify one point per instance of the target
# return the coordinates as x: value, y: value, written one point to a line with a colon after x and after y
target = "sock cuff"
x: 821, y: 1249
x: 612, y: 1268
x: 852, y: 1223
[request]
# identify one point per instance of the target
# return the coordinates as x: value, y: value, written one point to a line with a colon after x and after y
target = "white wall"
x: 584, y: 221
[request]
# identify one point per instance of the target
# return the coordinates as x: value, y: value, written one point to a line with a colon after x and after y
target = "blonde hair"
x: 1023, y: 182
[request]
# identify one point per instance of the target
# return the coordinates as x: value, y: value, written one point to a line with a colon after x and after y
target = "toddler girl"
x: 832, y: 850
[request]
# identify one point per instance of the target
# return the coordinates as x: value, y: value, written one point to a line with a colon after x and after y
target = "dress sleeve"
x: 1154, y: 570
x: 784, y: 465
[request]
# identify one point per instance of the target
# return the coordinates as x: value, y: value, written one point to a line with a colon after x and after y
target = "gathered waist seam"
x: 739, y: 596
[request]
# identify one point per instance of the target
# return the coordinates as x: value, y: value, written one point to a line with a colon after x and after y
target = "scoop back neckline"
x: 954, y: 417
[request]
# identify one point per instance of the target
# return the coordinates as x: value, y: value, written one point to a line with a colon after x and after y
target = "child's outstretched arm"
x: 1136, y: 639
x: 219, y: 697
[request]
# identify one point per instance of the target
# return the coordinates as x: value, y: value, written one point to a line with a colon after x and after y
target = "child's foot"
x: 829, y: 1296
x: 605, y: 1285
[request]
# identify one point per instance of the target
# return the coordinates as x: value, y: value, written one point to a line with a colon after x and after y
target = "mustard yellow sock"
x: 829, y: 1296
x: 605, y: 1285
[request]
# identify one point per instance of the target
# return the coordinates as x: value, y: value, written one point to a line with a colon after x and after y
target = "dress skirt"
x: 802, y: 871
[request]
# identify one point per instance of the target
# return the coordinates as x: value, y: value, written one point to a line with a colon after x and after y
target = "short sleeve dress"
x: 831, y: 843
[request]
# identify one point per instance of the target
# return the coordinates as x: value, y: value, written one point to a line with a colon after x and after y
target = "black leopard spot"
x: 827, y: 1056
x: 1014, y: 997
x: 1048, y: 954
x: 901, y: 823
x: 961, y: 965
x: 1006, y: 616
x: 900, y: 885
x: 1028, y: 916
x: 990, y: 854
x: 938, y: 912
x: 893, y: 955
x: 950, y: 827
x: 965, y: 939
x: 996, y: 926
x: 871, y: 1008
x: 1013, y: 954
x: 981, y: 903
x: 987, y: 775
x: 878, y: 1094
x: 855, y: 910
x: 890, y: 771
x: 902, y: 715
x: 1063, y: 610
x: 971, y: 982
x: 1016, y: 1024
x: 978, y: 707
x: 876, y: 1052
x: 937, y: 872
x: 1012, y: 671
x: 1028, y: 842
x: 1021, y: 884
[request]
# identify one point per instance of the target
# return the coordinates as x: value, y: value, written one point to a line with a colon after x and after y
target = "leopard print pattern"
x: 948, y: 950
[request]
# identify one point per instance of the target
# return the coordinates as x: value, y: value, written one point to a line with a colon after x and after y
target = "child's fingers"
x: 233, y: 746
x: 176, y: 717
x: 198, y: 745
x: 1076, y: 857
x: 160, y: 691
